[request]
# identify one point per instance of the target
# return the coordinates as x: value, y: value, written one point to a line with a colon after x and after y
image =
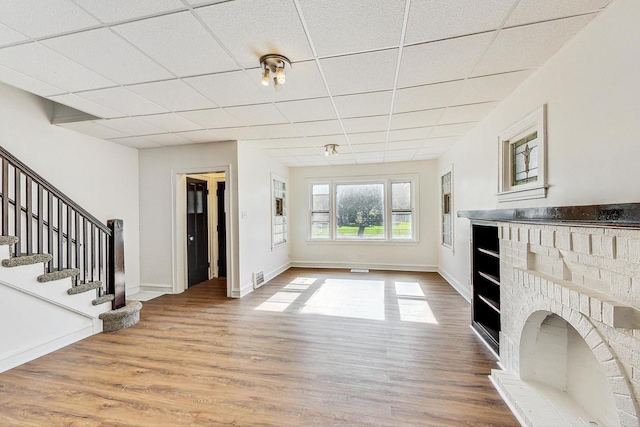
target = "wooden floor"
x: 311, y: 348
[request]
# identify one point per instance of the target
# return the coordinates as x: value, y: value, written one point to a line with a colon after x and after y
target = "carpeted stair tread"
x: 84, y: 287
x: 103, y: 299
x: 8, y: 240
x: 58, y: 275
x: 121, y: 318
x: 26, y: 260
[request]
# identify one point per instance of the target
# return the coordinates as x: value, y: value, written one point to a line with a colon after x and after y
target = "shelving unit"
x: 485, y: 306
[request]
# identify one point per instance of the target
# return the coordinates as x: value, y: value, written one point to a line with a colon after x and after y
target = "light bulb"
x: 265, y: 77
x: 326, y: 151
x: 335, y: 151
x: 280, y: 75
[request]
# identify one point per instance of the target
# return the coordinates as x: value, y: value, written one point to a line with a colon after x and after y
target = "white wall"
x: 254, y: 207
x: 100, y: 176
x: 422, y: 255
x: 158, y: 169
x: 592, y: 91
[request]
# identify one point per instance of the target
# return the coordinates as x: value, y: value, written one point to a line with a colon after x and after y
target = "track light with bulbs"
x: 273, y: 63
x: 331, y: 149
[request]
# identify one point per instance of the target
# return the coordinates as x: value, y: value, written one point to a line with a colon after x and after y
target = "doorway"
x: 222, y: 232
x: 197, y: 231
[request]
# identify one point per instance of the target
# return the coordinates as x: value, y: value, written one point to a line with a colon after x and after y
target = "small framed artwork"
x: 522, y: 148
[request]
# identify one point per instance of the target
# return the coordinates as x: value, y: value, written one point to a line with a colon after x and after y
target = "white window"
x: 522, y: 173
x: 363, y: 210
x: 278, y: 211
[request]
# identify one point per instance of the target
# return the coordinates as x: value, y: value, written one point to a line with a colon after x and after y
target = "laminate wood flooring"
x: 310, y: 348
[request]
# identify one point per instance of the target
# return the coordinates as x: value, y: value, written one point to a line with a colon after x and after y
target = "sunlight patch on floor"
x: 415, y: 310
x: 409, y: 289
x: 360, y: 299
x: 279, y: 302
x: 295, y: 287
x: 304, y: 280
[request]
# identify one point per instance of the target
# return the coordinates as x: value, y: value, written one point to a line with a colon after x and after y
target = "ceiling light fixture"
x: 331, y: 149
x: 276, y: 64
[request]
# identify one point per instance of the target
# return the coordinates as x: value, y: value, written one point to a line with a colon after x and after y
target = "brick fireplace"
x: 570, y: 316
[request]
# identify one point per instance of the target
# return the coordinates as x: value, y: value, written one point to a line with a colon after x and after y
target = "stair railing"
x: 47, y: 221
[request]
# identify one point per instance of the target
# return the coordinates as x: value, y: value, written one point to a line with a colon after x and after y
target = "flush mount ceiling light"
x: 331, y: 149
x: 276, y: 64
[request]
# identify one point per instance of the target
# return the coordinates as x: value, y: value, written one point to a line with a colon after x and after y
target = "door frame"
x: 180, y: 269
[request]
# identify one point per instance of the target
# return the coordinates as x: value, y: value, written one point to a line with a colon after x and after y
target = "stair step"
x: 8, y: 240
x: 103, y: 299
x: 58, y: 274
x: 122, y: 317
x: 84, y: 287
x: 26, y: 260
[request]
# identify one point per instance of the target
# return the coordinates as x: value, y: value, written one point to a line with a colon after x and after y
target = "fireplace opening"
x: 558, y: 363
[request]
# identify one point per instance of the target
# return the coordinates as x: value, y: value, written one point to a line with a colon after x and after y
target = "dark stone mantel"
x: 615, y: 215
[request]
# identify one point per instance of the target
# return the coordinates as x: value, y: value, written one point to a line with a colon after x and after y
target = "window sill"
x: 539, y: 192
x: 363, y: 242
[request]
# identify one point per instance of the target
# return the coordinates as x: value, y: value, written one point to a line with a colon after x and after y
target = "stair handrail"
x: 26, y: 170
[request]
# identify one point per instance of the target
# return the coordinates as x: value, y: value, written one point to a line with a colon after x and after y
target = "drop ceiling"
x: 387, y: 81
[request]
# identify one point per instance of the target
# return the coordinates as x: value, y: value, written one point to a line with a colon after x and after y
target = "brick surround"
x: 588, y: 276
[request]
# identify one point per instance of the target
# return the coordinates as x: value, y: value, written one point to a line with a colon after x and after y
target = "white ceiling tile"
x: 109, y: 55
x: 251, y: 115
x: 321, y: 140
x: 37, y: 18
x: 201, y: 136
x: 174, y: 95
x: 407, y: 134
x: 489, y: 88
x: 240, y: 133
x: 178, y: 42
x: 39, y: 62
x: 277, y: 131
x: 366, y: 124
x: 364, y: 148
x: 123, y: 100
x: 121, y: 10
x: 303, y: 80
x: 372, y: 159
x: 281, y: 143
x: 367, y: 137
x: 440, y: 142
x: 416, y: 118
x: 86, y: 106
x: 400, y: 155
x: 227, y: 89
x: 272, y: 27
x: 426, y: 97
x: 364, y: 104
x: 349, y: 26
x: 467, y: 113
x: 321, y: 127
x: 170, y: 122
x: 307, y: 109
x: 364, y: 72
x: 212, y: 118
x: 528, y: 46
x: 24, y: 82
x: 168, y: 139
x: 371, y: 155
x: 441, y: 61
x: 309, y: 151
x: 202, y: 2
x: 405, y: 145
x: 529, y: 11
x: 135, y: 142
x: 93, y: 129
x: 436, y: 20
x: 452, y: 130
x: 8, y: 36
x: 130, y: 126
x: 428, y: 151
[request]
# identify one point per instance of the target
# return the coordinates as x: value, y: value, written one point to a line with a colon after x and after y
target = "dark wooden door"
x: 222, y: 233
x: 197, y: 231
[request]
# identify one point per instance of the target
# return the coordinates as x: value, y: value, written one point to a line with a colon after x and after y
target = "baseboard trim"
x: 155, y: 287
x: 248, y: 288
x: 23, y: 356
x: 370, y: 266
x: 462, y: 290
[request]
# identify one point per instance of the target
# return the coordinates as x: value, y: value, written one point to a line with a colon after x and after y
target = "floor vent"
x: 258, y: 279
x: 359, y: 270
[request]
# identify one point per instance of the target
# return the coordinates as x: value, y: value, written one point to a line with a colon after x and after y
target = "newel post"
x: 115, y: 263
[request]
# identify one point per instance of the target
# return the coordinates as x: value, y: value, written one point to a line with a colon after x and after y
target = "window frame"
x: 386, y: 181
x: 276, y: 178
x: 443, y: 173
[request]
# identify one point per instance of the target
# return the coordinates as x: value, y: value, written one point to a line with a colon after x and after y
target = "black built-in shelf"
x: 485, y: 304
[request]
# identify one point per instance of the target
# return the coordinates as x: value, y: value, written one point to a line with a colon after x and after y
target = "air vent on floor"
x: 258, y: 279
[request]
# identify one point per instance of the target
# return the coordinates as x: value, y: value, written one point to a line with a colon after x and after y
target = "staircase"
x: 61, y: 269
